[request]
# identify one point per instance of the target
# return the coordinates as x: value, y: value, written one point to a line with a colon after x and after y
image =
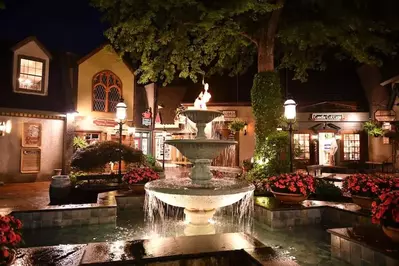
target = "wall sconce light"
x: 5, y: 128
x: 315, y: 136
x: 279, y: 129
x: 245, y: 129
x: 71, y: 115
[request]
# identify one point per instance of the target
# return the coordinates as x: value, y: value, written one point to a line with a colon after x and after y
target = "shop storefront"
x: 331, y: 139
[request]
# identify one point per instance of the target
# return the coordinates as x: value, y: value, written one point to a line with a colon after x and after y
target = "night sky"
x: 75, y: 26
x: 71, y: 25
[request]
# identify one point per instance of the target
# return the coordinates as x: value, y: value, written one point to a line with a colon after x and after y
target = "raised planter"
x: 11, y: 258
x: 137, y: 188
x: 392, y: 233
x: 289, y: 198
x: 363, y: 202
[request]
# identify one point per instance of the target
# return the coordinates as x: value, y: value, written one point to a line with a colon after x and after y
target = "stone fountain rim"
x: 206, y: 192
x: 201, y: 111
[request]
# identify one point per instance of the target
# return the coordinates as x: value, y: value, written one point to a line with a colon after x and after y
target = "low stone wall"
x: 358, y: 253
x: 278, y: 219
x: 130, y: 202
x: 61, y: 217
x: 333, y: 217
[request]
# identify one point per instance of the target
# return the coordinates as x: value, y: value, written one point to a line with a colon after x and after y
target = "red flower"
x: 386, y: 210
x: 292, y: 183
x: 10, y: 236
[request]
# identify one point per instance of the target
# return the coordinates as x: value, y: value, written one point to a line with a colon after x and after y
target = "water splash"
x: 166, y: 220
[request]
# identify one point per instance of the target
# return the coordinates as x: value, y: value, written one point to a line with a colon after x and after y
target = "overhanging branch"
x: 249, y: 37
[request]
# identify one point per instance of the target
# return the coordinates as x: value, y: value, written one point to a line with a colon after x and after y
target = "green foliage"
x: 373, y: 129
x: 187, y: 38
x: 236, y: 125
x: 99, y: 154
x: 150, y: 160
x: 327, y: 190
x: 267, y: 106
x: 79, y: 143
x: 247, y: 164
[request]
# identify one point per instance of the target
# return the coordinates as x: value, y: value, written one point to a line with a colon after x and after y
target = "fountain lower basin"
x: 215, y: 193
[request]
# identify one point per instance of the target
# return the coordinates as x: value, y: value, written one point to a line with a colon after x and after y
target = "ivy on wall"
x: 267, y: 107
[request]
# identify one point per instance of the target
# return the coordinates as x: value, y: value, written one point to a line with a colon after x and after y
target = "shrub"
x: 327, y: 189
x: 140, y: 175
x: 292, y: 183
x: 99, y: 154
x: 385, y: 210
x: 79, y: 143
x: 10, y: 237
x: 236, y: 125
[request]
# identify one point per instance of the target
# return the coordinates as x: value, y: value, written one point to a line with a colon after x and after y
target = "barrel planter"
x: 392, y: 233
x: 289, y: 198
x: 60, y: 188
x: 363, y: 202
x: 137, y: 188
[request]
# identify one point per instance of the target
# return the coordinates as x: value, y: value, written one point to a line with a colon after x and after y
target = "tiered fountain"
x: 200, y: 195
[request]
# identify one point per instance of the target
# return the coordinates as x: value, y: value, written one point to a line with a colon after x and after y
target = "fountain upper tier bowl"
x: 215, y: 193
x: 201, y: 116
x: 195, y: 149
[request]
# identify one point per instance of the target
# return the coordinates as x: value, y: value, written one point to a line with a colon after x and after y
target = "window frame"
x: 107, y: 89
x: 31, y: 58
x: 309, y: 146
x: 343, y: 147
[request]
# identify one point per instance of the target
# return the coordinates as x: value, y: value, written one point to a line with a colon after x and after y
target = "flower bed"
x: 366, y: 185
x: 140, y: 176
x: 10, y: 238
x: 295, y: 183
x: 385, y: 211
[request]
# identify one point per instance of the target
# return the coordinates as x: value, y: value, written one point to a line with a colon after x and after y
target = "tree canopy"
x: 188, y: 38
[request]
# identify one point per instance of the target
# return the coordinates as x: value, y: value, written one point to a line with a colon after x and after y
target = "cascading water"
x: 200, y: 195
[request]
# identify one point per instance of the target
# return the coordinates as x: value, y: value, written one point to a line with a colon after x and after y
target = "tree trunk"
x: 267, y: 40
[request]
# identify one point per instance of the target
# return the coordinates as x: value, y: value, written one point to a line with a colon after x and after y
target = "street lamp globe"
x: 121, y: 110
x: 290, y: 109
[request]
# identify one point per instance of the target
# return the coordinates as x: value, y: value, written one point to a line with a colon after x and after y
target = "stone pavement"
x: 24, y: 196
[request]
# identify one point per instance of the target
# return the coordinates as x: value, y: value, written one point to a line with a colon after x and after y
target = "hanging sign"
x: 229, y: 115
x: 146, y: 118
x: 385, y: 115
x: 327, y: 117
x: 105, y: 122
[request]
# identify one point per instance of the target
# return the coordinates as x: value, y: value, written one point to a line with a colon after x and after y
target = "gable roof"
x: 330, y: 106
x: 98, y: 49
x: 31, y: 39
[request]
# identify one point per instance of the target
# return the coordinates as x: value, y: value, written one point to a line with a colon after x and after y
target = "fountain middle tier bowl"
x: 201, y: 116
x: 195, y: 149
x: 215, y: 193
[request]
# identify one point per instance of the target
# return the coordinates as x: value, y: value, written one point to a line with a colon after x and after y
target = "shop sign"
x: 327, y: 117
x: 146, y: 118
x: 105, y: 122
x: 385, y: 115
x: 229, y: 115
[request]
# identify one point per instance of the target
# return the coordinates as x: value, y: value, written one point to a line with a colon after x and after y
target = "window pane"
x: 351, y: 147
x: 30, y: 76
x: 302, y: 146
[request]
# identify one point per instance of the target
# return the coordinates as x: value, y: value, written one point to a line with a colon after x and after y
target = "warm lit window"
x: 351, y: 147
x: 301, y: 146
x: 30, y: 75
x: 107, y: 91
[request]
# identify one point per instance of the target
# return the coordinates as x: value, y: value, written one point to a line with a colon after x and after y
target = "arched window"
x: 107, y: 90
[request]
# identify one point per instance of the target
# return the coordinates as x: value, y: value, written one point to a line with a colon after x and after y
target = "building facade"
x: 35, y: 87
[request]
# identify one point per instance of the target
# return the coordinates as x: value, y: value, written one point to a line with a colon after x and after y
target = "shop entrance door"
x: 327, y: 148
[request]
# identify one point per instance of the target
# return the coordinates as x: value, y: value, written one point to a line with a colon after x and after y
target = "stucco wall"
x: 51, y: 150
x: 31, y: 49
x: 246, y: 142
x: 103, y: 60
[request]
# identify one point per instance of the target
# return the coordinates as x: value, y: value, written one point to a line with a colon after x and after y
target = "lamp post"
x: 290, y: 115
x: 120, y: 116
x: 163, y: 148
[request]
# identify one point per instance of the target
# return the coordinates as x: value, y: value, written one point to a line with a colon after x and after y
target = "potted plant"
x: 10, y: 238
x: 373, y: 129
x: 364, y: 188
x: 385, y: 211
x: 137, y: 177
x: 236, y: 125
x: 291, y: 188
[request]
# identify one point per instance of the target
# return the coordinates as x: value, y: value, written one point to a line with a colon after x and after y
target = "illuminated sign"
x: 327, y: 117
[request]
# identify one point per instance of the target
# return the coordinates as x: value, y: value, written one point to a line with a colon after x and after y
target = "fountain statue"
x: 201, y: 194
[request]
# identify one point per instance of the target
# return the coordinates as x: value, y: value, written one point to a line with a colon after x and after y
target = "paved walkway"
x: 24, y: 196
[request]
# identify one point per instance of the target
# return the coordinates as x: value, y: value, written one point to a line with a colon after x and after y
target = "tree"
x: 187, y: 38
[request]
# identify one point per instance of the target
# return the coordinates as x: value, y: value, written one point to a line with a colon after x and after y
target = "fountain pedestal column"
x: 199, y: 222
x: 200, y: 171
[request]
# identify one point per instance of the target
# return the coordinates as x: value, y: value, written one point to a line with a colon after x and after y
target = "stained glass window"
x: 107, y: 91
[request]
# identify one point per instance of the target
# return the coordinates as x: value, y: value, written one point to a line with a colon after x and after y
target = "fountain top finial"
x: 203, y: 98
